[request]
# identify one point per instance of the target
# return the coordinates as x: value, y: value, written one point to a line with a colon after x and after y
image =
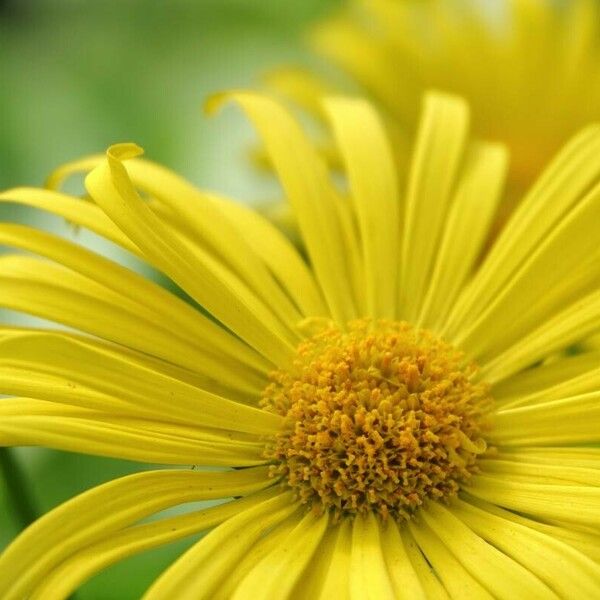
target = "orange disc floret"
x: 381, y: 416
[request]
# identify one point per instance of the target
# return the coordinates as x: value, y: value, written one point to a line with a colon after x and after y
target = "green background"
x: 77, y: 76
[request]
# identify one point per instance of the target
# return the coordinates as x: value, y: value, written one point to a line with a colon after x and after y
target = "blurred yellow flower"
x: 530, y: 69
x: 378, y: 418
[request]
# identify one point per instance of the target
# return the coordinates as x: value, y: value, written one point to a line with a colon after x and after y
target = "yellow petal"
x: 279, y: 572
x: 27, y: 377
x: 177, y: 316
x: 499, y: 574
x: 52, y: 292
x: 82, y: 165
x: 129, y: 439
x: 561, y: 187
x: 197, y: 573
x: 201, y: 217
x: 279, y: 255
x: 204, y: 279
x: 97, y: 513
x: 567, y: 503
x: 117, y: 546
x: 337, y: 575
x: 116, y: 375
x: 568, y: 256
x: 198, y: 215
x: 301, y: 86
x: 436, y: 159
x: 572, y: 324
x: 405, y: 579
x: 369, y: 578
x: 555, y: 455
x: 261, y: 548
x: 458, y: 582
x: 428, y: 579
x: 367, y: 60
x: 465, y: 232
x: 586, y: 543
x: 566, y: 421
x: 20, y: 407
x: 566, y: 571
x: 568, y: 376
x: 354, y: 255
x: 317, y: 571
x: 305, y: 181
x: 371, y: 172
x: 76, y: 211
x: 536, y: 472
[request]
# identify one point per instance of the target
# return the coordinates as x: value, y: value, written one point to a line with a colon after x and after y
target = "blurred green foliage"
x: 78, y: 76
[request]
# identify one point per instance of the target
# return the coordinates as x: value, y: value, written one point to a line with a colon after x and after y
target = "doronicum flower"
x: 530, y: 69
x: 389, y: 417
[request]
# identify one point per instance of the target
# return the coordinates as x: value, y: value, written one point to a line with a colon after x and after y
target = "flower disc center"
x: 381, y: 416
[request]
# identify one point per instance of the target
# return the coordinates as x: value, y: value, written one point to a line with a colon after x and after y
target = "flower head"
x: 380, y: 418
x: 523, y: 66
x: 389, y: 417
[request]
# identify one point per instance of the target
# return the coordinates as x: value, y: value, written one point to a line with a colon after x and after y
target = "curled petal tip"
x: 124, y: 151
x: 213, y: 104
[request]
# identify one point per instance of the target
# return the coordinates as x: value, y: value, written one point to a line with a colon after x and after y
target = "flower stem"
x: 17, y: 489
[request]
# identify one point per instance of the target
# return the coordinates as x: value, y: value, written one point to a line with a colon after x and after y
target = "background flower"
x: 530, y: 70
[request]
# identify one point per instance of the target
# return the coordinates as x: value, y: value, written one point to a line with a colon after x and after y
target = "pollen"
x: 378, y: 417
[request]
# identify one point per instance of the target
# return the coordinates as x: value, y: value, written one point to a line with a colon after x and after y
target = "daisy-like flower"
x: 529, y: 68
x: 388, y: 418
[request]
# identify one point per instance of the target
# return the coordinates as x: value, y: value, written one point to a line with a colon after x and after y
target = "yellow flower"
x: 380, y: 418
x: 529, y: 68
